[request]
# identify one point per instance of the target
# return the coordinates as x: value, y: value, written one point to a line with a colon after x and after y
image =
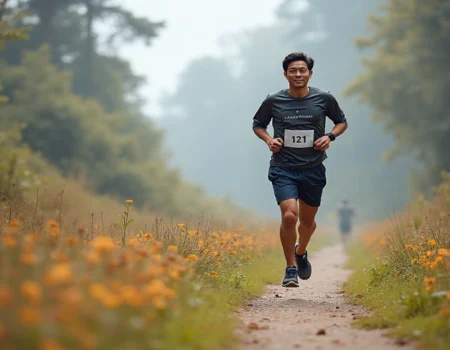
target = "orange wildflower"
x: 432, y: 243
x: 192, y: 257
x: 51, y: 344
x: 59, y: 274
x: 5, y: 296
x: 172, y: 249
x: 14, y: 223
x: 32, y: 291
x: 103, y: 244
x: 29, y: 316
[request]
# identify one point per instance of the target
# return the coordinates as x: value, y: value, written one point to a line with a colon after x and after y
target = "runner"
x: 345, y: 214
x: 298, y: 116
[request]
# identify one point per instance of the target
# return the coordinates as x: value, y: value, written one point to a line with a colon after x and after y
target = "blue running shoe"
x: 290, y: 277
x: 303, y: 266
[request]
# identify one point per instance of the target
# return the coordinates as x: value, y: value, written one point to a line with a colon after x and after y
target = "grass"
x: 401, y: 273
x: 78, y: 283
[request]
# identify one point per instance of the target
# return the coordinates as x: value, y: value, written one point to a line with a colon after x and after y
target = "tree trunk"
x: 47, y: 10
x: 90, y: 49
x: 2, y: 8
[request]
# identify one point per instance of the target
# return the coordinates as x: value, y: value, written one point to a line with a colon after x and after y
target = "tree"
x: 407, y: 80
x: 68, y: 27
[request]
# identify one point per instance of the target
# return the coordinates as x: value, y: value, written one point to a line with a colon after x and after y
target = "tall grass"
x: 85, y: 272
x: 408, y: 283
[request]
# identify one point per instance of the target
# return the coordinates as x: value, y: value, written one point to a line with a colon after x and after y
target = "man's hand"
x: 275, y: 144
x: 322, y: 143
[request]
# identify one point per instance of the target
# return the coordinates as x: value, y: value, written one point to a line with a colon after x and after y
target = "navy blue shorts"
x: 306, y: 184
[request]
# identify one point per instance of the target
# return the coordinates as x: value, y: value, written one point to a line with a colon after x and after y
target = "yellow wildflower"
x: 129, y: 201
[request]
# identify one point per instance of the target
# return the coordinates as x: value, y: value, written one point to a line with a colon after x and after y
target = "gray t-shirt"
x: 298, y: 122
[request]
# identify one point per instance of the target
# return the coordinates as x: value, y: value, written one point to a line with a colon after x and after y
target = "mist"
x: 207, y: 120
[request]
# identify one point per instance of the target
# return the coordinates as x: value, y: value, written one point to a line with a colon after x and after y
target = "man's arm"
x: 339, y: 128
x: 335, y: 113
x: 263, y: 135
x: 261, y: 120
x: 274, y: 144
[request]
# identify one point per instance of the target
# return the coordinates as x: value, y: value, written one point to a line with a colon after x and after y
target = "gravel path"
x: 314, y: 316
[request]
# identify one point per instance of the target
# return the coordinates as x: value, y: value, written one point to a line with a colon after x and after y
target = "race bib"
x: 298, y: 138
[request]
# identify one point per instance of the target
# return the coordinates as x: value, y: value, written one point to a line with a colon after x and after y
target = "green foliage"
x: 419, y: 303
x: 407, y: 80
x: 116, y: 154
x: 9, y: 32
x: 17, y: 174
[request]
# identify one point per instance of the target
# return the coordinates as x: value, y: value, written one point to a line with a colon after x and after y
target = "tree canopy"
x: 407, y: 82
x: 90, y: 126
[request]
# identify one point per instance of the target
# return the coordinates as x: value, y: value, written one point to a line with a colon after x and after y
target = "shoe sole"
x: 290, y: 284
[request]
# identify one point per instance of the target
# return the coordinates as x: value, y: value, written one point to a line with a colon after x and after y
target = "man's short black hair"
x: 298, y: 56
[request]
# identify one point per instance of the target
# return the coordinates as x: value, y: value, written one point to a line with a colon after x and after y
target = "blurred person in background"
x: 345, y: 213
x: 298, y: 176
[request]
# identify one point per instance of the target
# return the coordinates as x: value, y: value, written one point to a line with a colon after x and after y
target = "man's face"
x: 298, y: 74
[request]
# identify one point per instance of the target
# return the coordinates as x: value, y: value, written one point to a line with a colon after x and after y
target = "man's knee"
x: 289, y: 217
x: 309, y: 223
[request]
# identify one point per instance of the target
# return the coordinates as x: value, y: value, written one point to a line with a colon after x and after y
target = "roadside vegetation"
x: 402, y: 272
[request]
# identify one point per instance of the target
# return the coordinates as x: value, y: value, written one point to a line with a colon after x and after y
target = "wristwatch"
x: 331, y: 136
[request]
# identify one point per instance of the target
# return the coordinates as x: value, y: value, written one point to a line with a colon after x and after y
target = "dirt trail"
x: 291, y: 318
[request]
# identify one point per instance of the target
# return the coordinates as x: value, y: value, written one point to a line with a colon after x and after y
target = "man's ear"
x: 285, y: 74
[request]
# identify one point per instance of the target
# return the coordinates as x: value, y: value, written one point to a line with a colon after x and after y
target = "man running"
x: 298, y: 116
x: 345, y: 214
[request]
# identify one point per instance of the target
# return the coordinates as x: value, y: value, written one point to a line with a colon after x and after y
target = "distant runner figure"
x: 345, y: 214
x: 298, y: 116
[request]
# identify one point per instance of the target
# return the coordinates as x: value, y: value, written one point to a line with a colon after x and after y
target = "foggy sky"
x: 194, y: 28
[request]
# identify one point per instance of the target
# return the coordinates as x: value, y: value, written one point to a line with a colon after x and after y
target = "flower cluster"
x: 62, y: 291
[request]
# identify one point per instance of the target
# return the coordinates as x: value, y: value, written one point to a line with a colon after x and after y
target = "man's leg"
x: 307, y: 226
x: 289, y: 217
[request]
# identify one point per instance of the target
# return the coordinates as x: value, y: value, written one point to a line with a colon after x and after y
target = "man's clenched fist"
x: 275, y: 144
